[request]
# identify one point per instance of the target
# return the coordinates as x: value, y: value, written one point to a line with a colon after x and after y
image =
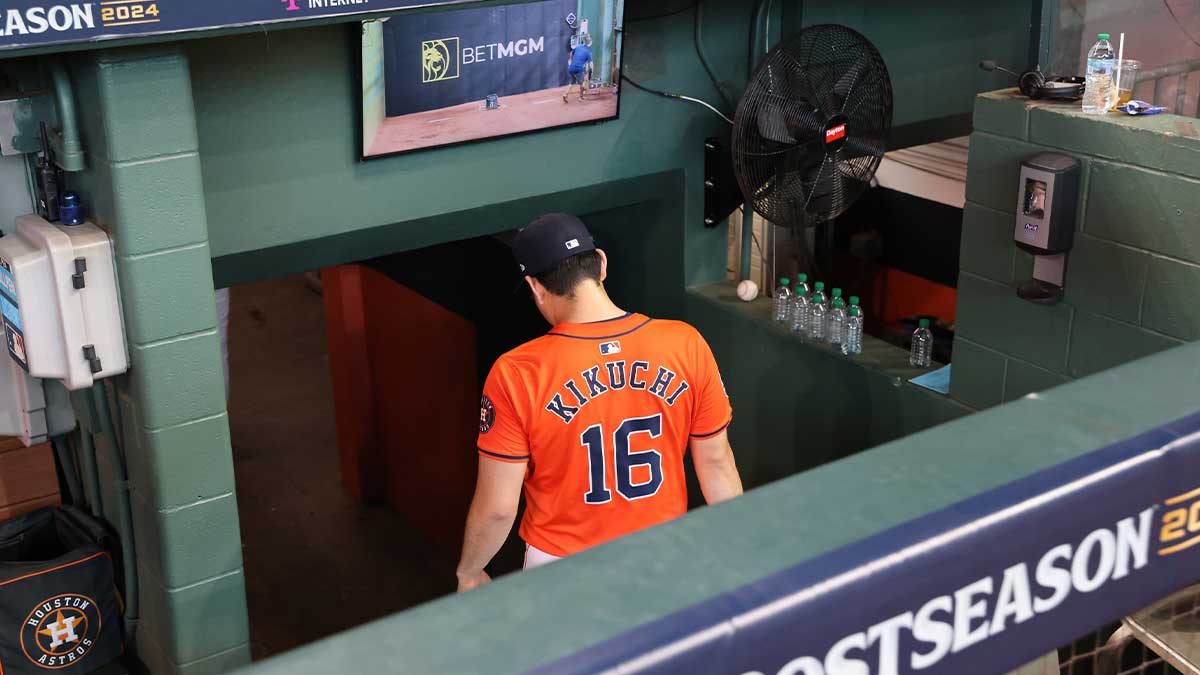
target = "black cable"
x: 679, y: 97
x: 1179, y: 23
x: 66, y: 462
x: 673, y: 12
x: 646, y: 89
x: 722, y: 90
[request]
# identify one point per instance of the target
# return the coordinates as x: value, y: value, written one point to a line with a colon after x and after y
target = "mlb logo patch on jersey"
x: 608, y: 348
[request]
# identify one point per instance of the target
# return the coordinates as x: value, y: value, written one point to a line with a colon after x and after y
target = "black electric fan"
x: 811, y: 127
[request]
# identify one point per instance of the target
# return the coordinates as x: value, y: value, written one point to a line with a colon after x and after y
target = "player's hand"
x: 467, y: 583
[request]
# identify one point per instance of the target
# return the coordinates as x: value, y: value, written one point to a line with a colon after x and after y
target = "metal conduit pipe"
x: 87, y: 455
x: 698, y: 36
x: 69, y: 153
x: 748, y: 207
x: 70, y: 473
x: 99, y: 397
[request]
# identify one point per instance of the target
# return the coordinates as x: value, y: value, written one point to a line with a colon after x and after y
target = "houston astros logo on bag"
x: 60, y: 631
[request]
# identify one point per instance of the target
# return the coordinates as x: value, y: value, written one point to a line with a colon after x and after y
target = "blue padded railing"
x: 984, y: 585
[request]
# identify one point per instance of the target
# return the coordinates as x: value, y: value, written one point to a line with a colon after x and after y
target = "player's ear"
x: 538, y: 290
x: 603, y: 264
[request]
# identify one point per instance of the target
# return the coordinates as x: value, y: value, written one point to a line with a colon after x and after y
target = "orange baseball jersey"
x: 602, y: 412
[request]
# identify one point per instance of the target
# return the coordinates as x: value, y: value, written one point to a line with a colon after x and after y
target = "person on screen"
x: 579, y: 67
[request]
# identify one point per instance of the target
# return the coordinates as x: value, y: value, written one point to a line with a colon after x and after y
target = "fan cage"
x: 793, y: 160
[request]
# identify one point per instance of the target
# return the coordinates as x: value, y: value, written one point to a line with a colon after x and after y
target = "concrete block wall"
x: 1132, y: 276
x: 143, y: 183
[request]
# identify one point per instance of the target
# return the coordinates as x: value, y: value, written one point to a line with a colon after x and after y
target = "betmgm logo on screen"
x: 440, y: 60
x: 443, y: 58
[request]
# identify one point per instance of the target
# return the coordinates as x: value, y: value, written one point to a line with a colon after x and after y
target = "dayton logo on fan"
x: 836, y: 133
x: 60, y: 631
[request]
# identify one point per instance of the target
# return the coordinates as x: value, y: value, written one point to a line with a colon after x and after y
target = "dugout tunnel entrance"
x: 353, y: 411
x: 354, y: 394
x: 355, y: 400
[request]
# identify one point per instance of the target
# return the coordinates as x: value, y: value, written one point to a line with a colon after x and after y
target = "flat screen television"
x: 434, y: 79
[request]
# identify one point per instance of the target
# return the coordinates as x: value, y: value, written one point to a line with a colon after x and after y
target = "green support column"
x: 144, y: 185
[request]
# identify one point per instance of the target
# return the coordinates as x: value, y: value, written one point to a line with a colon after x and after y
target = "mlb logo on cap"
x: 549, y: 240
x: 607, y: 348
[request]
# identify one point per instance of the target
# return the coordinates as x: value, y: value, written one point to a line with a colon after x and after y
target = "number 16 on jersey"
x: 623, y: 460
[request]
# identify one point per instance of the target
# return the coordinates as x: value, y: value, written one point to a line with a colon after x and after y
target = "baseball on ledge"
x: 747, y: 290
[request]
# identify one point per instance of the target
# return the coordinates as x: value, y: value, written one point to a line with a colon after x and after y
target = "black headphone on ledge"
x: 1033, y: 83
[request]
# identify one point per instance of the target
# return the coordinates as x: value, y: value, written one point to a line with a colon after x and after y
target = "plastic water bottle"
x: 817, y: 314
x: 837, y: 321
x: 819, y: 287
x: 801, y: 313
x: 852, y: 342
x: 799, y: 291
x: 1098, y: 87
x: 781, y: 303
x: 922, y: 345
x: 802, y: 285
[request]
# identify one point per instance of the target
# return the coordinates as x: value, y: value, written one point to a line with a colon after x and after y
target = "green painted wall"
x: 798, y: 405
x: 374, y: 105
x: 932, y: 53
x: 1131, y: 276
x: 278, y: 114
x: 280, y: 163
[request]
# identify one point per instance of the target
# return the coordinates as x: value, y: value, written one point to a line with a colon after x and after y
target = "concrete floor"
x: 317, y: 562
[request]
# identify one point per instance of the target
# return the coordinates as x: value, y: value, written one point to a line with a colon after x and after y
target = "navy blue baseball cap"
x: 549, y: 240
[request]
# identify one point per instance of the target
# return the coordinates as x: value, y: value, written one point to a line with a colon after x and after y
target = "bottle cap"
x: 837, y: 292
x: 784, y: 281
x: 820, y: 285
x: 923, y: 323
x: 70, y: 208
x: 802, y: 277
x: 1103, y: 36
x: 853, y: 300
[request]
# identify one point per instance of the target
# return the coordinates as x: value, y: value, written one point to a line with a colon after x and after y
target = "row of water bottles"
x: 812, y: 314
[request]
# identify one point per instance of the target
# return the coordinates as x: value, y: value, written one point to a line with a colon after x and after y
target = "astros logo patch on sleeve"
x: 487, y: 415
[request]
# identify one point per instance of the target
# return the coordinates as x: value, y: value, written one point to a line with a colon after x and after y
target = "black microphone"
x: 990, y: 65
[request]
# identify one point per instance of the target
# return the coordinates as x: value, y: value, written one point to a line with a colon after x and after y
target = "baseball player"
x: 593, y: 418
x: 579, y: 67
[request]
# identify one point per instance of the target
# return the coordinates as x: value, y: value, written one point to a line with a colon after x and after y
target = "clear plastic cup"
x: 1129, y: 72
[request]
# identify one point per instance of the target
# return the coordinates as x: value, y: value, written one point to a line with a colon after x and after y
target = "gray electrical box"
x: 1047, y: 199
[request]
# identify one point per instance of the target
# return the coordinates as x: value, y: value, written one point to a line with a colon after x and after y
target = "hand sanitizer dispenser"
x: 1047, y: 198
